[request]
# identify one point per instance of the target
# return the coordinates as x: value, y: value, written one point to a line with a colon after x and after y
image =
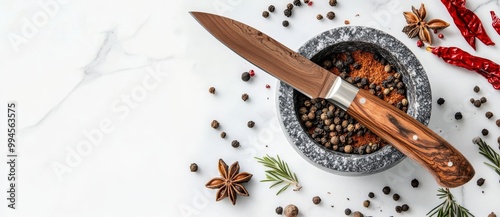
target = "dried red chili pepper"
x: 496, y: 22
x: 458, y: 57
x: 467, y: 22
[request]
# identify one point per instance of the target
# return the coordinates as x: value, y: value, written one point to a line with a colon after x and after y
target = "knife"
x: 448, y: 166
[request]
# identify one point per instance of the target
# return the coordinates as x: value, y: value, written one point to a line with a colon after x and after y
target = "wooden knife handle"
x: 448, y: 166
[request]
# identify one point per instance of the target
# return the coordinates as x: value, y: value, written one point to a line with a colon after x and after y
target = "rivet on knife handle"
x: 443, y: 161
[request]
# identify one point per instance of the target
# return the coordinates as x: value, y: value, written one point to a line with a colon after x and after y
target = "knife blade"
x: 448, y: 166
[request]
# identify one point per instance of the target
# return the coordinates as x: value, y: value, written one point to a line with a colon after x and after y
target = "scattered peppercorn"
x: 440, y: 101
x: 333, y: 3
x: 244, y: 97
x: 483, y: 99
x: 458, y: 115
x: 477, y: 103
x: 291, y: 211
x: 484, y: 132
x: 347, y: 211
x: 498, y: 123
x: 477, y: 89
x: 347, y: 22
x: 316, y: 200
x: 265, y: 14
x: 395, y: 197
x: 371, y: 195
x: 215, y: 124
x: 330, y: 15
x: 245, y: 76
x: 472, y: 100
x: 386, y: 190
x: 211, y: 90
x: 271, y: 8
x: 279, y: 210
x: 310, y: 3
x: 285, y: 23
x: 288, y: 12
x: 250, y: 124
x: 235, y: 144
x: 223, y: 135
x: 251, y: 72
x: 366, y: 203
x: 488, y: 114
x: 414, y: 183
x: 399, y: 209
x: 492, y: 214
x: 289, y: 6
x: 268, y: 86
x: 297, y: 2
x: 319, y: 17
x: 358, y: 214
x: 193, y: 167
x: 306, y: 1
x: 440, y: 35
x: 420, y: 43
x: 480, y: 182
x: 405, y: 207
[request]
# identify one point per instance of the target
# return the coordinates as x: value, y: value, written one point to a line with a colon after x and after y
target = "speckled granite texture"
x: 347, y: 39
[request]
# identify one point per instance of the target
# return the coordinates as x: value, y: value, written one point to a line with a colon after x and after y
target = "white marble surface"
x: 131, y: 77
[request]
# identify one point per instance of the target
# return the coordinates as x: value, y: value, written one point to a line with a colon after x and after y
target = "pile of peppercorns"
x: 297, y: 3
x: 332, y: 127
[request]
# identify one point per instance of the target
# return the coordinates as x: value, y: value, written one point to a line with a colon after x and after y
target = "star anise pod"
x: 417, y: 26
x: 229, y: 184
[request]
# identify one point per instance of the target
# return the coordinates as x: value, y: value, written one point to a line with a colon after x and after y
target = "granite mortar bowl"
x: 348, y: 39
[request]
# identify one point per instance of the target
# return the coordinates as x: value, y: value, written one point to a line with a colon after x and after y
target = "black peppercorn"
x: 250, y: 124
x: 244, y: 97
x: 285, y: 23
x: 480, y: 182
x: 279, y: 210
x: 371, y: 195
x: 235, y: 144
x: 297, y: 2
x: 265, y: 14
x: 319, y: 17
x: 330, y: 15
x: 477, y: 103
x: 484, y: 132
x: 395, y: 197
x: 193, y: 167
x: 477, y: 89
x: 458, y: 115
x: 405, y: 207
x: 347, y: 211
x: 215, y: 124
x: 440, y: 101
x: 492, y: 214
x: 414, y: 183
x: 358, y: 214
x: 316, y: 200
x: 488, y: 114
x: 223, y: 135
x: 498, y: 123
x: 472, y: 100
x: 386, y: 190
x: 211, y: 90
x: 287, y: 12
x: 399, y: 209
x: 289, y: 6
x: 483, y: 99
x: 366, y: 203
x: 245, y: 76
x: 333, y: 2
x: 271, y: 8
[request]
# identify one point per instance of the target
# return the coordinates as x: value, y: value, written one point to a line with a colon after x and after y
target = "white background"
x: 72, y: 65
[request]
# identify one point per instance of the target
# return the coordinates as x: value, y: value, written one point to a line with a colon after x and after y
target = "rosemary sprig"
x: 279, y: 173
x: 489, y: 153
x: 449, y: 207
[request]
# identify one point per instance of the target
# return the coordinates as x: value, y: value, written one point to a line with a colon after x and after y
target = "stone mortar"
x: 350, y: 38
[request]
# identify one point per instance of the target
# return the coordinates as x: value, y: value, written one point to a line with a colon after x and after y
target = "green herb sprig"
x: 489, y: 153
x: 279, y: 173
x: 449, y: 207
